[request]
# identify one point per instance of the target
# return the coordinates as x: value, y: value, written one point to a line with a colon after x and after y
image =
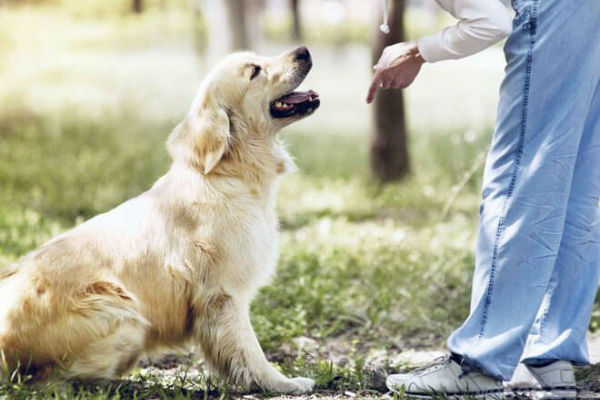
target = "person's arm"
x: 481, y: 23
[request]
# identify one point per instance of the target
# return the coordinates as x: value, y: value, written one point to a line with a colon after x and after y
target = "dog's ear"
x: 207, y: 133
x: 212, y: 137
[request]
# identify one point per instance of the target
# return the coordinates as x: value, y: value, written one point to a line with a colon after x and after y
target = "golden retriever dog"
x: 181, y: 262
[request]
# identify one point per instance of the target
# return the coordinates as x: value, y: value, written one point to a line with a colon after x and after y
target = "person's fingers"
x: 405, y: 80
x: 395, y: 85
x: 386, y: 84
x: 381, y: 63
x: 372, y: 92
x: 399, y: 84
x: 374, y: 87
x: 387, y: 57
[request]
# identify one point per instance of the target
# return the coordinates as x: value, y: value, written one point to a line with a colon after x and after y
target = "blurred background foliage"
x: 89, y: 91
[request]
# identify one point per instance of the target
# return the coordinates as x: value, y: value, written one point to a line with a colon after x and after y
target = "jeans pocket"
x: 519, y: 43
x: 524, y: 12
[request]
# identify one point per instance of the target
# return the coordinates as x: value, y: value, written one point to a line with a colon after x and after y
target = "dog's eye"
x: 255, y: 71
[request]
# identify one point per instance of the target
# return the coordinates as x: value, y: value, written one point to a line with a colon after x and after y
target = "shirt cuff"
x: 432, y: 50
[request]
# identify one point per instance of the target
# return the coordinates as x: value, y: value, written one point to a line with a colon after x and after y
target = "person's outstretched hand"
x: 397, y: 68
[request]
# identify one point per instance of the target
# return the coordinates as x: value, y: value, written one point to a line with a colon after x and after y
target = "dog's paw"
x: 301, y: 385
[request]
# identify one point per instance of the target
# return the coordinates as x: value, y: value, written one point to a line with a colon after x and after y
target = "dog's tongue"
x: 299, y: 97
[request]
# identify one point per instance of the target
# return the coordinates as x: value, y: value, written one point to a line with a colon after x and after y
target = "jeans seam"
x: 532, y: 28
x: 546, y: 311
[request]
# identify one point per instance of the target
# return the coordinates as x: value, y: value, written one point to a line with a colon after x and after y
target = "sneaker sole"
x: 547, y: 393
x: 497, y: 396
x: 488, y: 395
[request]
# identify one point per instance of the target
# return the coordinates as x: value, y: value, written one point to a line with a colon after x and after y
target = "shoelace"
x: 443, y: 360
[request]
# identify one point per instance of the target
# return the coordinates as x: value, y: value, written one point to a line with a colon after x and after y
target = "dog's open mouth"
x: 295, y: 104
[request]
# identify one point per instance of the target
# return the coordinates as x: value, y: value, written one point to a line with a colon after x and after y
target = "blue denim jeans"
x: 538, y: 248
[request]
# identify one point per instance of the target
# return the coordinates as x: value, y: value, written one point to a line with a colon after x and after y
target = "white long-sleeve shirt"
x: 481, y: 23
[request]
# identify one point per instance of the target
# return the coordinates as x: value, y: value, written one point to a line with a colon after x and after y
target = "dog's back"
x: 47, y: 315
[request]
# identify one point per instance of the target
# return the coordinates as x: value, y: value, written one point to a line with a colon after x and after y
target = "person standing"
x: 538, y: 247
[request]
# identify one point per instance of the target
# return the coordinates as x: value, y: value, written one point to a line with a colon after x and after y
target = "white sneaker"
x: 445, y: 377
x: 554, y: 381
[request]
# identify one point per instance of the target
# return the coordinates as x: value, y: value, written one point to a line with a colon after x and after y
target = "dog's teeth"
x: 283, y: 106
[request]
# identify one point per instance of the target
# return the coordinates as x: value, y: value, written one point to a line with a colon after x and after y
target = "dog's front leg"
x: 231, y: 347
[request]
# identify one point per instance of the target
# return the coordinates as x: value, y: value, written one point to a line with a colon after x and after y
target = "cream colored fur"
x: 178, y: 264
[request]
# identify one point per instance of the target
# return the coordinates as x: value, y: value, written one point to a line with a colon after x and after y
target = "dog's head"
x: 241, y: 105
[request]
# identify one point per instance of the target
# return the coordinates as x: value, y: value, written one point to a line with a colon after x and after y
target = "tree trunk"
x: 237, y: 15
x: 296, y: 22
x: 137, y: 6
x: 255, y: 24
x: 389, y: 152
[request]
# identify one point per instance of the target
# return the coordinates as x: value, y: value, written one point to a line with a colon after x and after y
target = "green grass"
x: 366, y: 273
x: 363, y: 267
x: 365, y: 270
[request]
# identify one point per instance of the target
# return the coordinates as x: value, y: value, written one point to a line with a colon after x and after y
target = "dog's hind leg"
x: 95, y: 333
x: 111, y: 356
x: 114, y: 314
x: 230, y: 346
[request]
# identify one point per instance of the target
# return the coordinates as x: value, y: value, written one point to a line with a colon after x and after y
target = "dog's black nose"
x: 302, y: 54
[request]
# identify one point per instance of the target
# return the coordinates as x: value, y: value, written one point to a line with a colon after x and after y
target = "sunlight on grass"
x: 358, y: 260
x: 88, y: 98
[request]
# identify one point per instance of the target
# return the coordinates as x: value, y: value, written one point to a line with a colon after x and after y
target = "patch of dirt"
x: 345, y: 352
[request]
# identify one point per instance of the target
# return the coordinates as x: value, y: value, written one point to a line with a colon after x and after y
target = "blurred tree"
x: 296, y: 22
x: 199, y: 28
x: 254, y: 11
x: 237, y: 13
x: 389, y: 148
x: 137, y: 6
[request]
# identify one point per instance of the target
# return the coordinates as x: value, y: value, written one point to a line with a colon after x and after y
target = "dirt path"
x: 168, y: 371
x: 588, y: 377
